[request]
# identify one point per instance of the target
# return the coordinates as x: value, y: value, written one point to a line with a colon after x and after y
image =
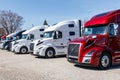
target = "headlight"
x: 40, y: 47
x: 39, y: 43
x: 87, y: 57
x: 16, y: 43
x: 90, y: 53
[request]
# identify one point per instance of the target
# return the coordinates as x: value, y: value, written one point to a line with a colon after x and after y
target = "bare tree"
x: 10, y: 21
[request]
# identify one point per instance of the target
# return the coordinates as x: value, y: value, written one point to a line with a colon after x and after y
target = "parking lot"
x: 28, y: 67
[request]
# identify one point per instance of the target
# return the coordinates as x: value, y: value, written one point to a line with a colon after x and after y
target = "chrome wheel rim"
x: 50, y: 53
x: 105, y: 61
x: 23, y: 50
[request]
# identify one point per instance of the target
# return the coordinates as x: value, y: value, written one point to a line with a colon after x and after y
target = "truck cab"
x: 100, y: 44
x: 11, y: 37
x: 55, y: 38
x: 3, y: 38
x: 23, y: 45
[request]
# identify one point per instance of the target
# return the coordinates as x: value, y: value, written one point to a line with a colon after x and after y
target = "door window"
x: 59, y: 34
x: 113, y: 29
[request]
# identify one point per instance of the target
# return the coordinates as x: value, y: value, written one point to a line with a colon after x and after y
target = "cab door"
x: 114, y: 41
x: 59, y: 42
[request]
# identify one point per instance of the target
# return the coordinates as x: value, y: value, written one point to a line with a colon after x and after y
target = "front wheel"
x: 23, y: 50
x: 105, y: 61
x: 50, y: 52
x: 6, y: 47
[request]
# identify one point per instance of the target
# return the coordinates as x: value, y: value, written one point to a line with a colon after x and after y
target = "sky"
x: 34, y: 12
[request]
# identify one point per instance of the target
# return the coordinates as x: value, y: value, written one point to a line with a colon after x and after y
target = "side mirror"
x: 16, y: 38
x: 113, y: 29
x: 28, y: 38
x: 31, y: 39
x: 41, y: 35
x: 54, y: 35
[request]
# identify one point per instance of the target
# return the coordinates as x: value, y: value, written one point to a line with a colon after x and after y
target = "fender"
x: 97, y: 52
x: 48, y: 46
x: 18, y: 47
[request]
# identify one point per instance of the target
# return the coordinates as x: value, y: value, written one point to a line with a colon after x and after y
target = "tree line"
x: 11, y: 21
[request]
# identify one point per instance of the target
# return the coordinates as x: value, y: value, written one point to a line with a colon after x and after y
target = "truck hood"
x: 21, y: 40
x: 44, y: 41
x: 36, y: 41
x: 5, y: 41
x: 91, y: 39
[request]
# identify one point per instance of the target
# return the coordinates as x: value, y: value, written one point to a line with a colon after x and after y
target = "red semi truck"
x: 100, y: 44
x: 3, y: 37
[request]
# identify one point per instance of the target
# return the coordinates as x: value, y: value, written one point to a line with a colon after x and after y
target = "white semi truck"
x: 55, y: 39
x: 5, y: 44
x: 23, y: 45
x: 8, y: 37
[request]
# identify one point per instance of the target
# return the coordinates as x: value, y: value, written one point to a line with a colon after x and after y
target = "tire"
x: 50, y: 53
x: 6, y: 47
x: 105, y: 61
x: 23, y: 50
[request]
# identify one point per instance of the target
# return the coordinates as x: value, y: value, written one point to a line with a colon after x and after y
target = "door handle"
x: 61, y: 44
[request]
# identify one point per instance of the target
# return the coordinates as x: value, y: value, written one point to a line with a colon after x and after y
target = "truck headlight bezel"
x: 15, y: 43
x: 90, y: 53
x: 39, y: 43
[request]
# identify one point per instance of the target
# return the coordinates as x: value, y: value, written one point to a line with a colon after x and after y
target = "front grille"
x: 32, y: 46
x: 73, y: 50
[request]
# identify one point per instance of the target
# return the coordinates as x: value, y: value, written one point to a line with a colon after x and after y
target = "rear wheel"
x: 50, y: 52
x: 105, y: 61
x: 23, y: 50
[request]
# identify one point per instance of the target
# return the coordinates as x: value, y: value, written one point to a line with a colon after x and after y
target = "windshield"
x: 9, y: 38
x: 14, y: 38
x: 31, y: 37
x: 24, y: 36
x: 48, y: 34
x: 93, y: 30
x: 2, y: 39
